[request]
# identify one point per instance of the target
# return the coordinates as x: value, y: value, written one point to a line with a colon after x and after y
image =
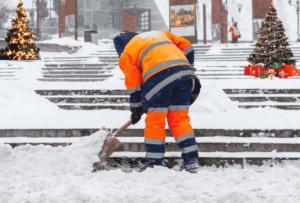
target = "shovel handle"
x: 126, y: 125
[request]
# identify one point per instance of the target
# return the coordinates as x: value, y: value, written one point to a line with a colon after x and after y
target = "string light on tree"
x: 20, y: 39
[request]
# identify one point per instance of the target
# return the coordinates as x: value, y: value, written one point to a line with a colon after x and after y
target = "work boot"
x: 150, y: 164
x: 190, y: 165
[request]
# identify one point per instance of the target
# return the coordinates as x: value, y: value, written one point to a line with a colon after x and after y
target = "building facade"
x: 110, y: 17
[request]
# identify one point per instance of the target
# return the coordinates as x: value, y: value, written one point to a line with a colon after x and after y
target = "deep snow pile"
x: 43, y: 174
x: 212, y: 99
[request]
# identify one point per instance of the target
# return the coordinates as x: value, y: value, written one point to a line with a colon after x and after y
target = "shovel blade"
x: 108, y: 148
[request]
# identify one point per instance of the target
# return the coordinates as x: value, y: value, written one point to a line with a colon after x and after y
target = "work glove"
x: 135, y: 117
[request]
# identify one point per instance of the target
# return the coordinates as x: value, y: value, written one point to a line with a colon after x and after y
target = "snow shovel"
x: 110, y: 145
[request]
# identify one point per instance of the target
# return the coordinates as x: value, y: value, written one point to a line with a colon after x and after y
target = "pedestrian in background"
x: 235, y: 33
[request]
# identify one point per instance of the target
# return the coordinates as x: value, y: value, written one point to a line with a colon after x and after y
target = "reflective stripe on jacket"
x: 154, y: 60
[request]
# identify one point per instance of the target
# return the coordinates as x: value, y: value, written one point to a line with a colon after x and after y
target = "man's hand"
x: 135, y: 117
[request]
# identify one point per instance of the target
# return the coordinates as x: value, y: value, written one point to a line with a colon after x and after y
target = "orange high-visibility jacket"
x: 234, y: 35
x: 153, y: 61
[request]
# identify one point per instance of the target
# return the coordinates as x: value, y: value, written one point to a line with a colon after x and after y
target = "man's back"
x: 151, y: 49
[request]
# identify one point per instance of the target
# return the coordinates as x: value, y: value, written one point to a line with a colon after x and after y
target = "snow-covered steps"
x: 81, y: 132
x: 9, y: 70
x: 286, y: 99
x: 217, y: 146
x: 77, y: 72
x: 88, y: 99
x: 214, y: 159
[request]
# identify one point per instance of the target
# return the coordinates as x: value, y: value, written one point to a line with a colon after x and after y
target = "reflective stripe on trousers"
x: 178, y: 121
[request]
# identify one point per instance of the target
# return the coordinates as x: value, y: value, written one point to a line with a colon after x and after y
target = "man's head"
x: 235, y: 24
x: 122, y: 40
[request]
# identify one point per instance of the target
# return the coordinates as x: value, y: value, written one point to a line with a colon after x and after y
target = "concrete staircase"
x: 286, y: 99
x: 9, y: 71
x: 217, y: 147
x: 88, y: 99
x: 73, y: 72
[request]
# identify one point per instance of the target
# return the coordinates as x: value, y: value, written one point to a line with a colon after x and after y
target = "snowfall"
x: 44, y: 174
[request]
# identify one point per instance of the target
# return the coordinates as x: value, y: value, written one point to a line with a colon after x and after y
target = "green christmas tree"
x: 272, y: 45
x: 20, y: 39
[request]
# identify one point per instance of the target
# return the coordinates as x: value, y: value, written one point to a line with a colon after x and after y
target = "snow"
x: 213, y: 99
x: 63, y: 174
x: 287, y: 14
x: 163, y: 6
x: 152, y: 34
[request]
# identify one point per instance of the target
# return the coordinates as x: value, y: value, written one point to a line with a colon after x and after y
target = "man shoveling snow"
x: 160, y: 79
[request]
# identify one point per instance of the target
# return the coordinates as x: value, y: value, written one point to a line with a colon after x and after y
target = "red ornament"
x: 279, y: 41
x: 278, y: 25
x: 272, y: 20
x: 285, y: 48
x: 262, y: 34
x: 266, y: 47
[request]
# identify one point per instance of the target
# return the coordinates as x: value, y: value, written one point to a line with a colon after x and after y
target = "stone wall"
x: 57, y: 48
x: 129, y: 19
x: 66, y: 8
x: 219, y: 15
x: 260, y: 8
x: 49, y: 47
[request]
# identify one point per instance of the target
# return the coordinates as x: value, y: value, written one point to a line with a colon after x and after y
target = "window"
x: 80, y: 4
x: 80, y: 18
x: 88, y: 4
x: 144, y: 21
x: 97, y: 5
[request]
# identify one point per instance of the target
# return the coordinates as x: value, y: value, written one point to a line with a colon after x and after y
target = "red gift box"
x: 247, y: 70
x: 289, y: 69
x: 252, y: 70
x: 282, y: 72
x: 296, y: 72
x: 258, y: 69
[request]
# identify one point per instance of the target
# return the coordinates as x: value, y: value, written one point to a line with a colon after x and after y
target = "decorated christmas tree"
x: 20, y: 39
x: 271, y: 48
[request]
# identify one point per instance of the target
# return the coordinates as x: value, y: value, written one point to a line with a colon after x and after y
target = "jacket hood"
x: 122, y: 40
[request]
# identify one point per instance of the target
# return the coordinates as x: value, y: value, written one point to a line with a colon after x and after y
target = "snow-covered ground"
x: 42, y: 174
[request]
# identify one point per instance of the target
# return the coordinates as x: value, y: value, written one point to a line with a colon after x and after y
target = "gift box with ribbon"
x: 277, y: 65
x: 263, y: 74
x: 289, y: 69
x: 247, y: 70
x: 296, y: 72
x: 282, y: 73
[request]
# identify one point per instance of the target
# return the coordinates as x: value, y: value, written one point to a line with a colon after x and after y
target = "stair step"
x: 77, y: 76
x: 76, y: 65
x: 78, y: 69
x: 138, y: 161
x: 94, y: 107
x: 110, y: 100
x: 264, y: 99
x: 80, y: 92
x: 75, y: 72
x: 139, y: 133
x: 283, y: 107
x: 262, y: 91
x: 70, y: 80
